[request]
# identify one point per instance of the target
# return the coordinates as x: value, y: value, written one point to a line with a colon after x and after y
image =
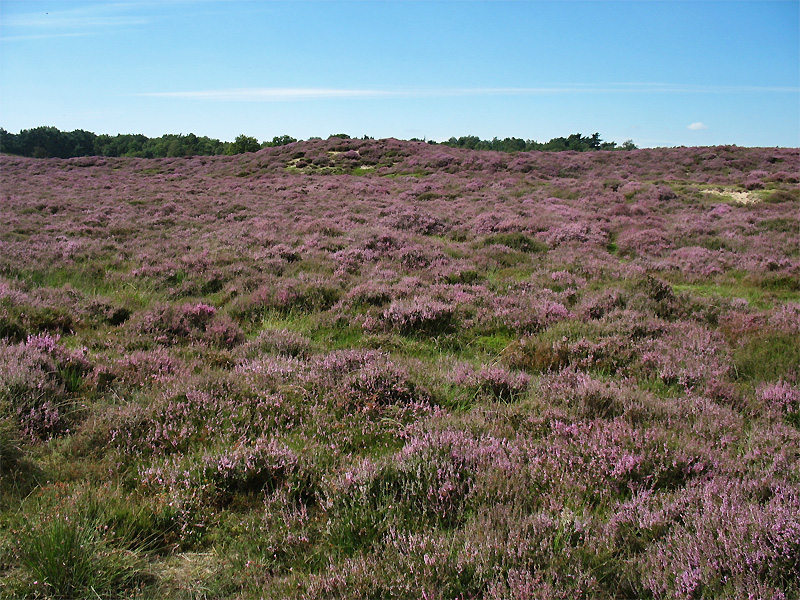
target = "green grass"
x: 758, y: 296
x: 69, y: 548
x: 767, y: 357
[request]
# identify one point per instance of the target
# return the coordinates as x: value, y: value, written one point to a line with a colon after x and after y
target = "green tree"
x: 281, y: 140
x: 242, y: 144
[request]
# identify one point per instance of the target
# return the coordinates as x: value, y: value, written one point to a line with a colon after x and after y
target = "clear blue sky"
x: 660, y: 73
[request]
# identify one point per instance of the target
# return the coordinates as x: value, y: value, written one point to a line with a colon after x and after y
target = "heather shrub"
x: 276, y: 341
x: 145, y: 368
x: 169, y: 324
x: 379, y: 383
x: 274, y: 542
x: 416, y: 221
x: 587, y: 397
x: 659, y: 193
x: 370, y: 293
x: 304, y: 294
x: 688, y: 355
x: 38, y: 382
x: 11, y: 326
x: 364, y: 383
x: 22, y: 315
x: 786, y: 318
x: 107, y: 312
x: 494, y: 382
x: 652, y: 242
x: 521, y: 313
x: 203, y: 409
x: 249, y: 467
x: 497, y: 554
x: 214, y: 479
x: 516, y: 241
x: 180, y: 481
x: 654, y: 296
x: 419, y: 315
x: 547, y: 375
x: 728, y: 544
x: 536, y: 356
x: 498, y: 256
x: 782, y: 398
x: 598, y: 305
x: 424, y: 483
x: 587, y: 346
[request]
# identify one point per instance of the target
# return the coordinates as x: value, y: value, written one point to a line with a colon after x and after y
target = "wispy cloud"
x: 72, y: 21
x: 264, y: 94
x: 40, y: 36
x: 698, y: 126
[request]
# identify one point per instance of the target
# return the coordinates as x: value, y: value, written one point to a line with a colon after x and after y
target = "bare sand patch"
x: 739, y: 197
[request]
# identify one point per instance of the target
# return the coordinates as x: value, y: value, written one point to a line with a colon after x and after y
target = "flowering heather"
x: 373, y: 368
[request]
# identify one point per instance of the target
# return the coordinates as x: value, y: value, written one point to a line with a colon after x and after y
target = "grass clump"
x: 767, y: 357
x: 71, y: 547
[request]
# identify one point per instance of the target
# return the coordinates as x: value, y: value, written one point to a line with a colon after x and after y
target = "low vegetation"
x: 380, y: 369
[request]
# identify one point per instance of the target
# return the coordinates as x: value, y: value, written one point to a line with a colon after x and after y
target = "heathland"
x: 381, y: 369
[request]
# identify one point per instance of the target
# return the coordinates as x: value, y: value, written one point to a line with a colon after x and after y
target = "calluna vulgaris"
x: 385, y: 369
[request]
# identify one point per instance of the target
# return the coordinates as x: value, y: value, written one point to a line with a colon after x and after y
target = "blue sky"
x: 668, y: 73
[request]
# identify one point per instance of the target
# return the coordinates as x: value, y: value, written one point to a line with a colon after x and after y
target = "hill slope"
x: 358, y: 368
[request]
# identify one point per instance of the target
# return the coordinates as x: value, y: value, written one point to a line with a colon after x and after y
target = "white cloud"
x: 698, y: 126
x: 93, y: 17
x: 284, y: 94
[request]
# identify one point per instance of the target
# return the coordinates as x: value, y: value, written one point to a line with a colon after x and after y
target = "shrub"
x: 782, y: 398
x: 38, y: 381
x: 276, y: 341
x: 380, y: 383
x: 420, y: 315
x: 427, y: 482
x: 169, y: 324
x: 516, y: 241
x: 249, y: 467
x: 492, y: 381
x: 688, y: 356
x: 731, y: 544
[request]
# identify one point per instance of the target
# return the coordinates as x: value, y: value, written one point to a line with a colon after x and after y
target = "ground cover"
x: 373, y: 368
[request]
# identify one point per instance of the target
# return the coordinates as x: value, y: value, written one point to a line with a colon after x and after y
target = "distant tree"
x: 280, y: 140
x: 43, y: 142
x: 242, y: 144
x: 79, y: 143
x: 575, y: 142
x: 175, y: 148
x: 469, y: 141
x: 8, y: 142
x: 341, y: 136
x: 511, y: 145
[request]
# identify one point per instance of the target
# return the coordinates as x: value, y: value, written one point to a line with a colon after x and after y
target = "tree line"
x: 576, y: 142
x: 49, y: 142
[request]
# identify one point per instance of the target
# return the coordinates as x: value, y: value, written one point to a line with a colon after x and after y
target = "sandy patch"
x: 735, y: 196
